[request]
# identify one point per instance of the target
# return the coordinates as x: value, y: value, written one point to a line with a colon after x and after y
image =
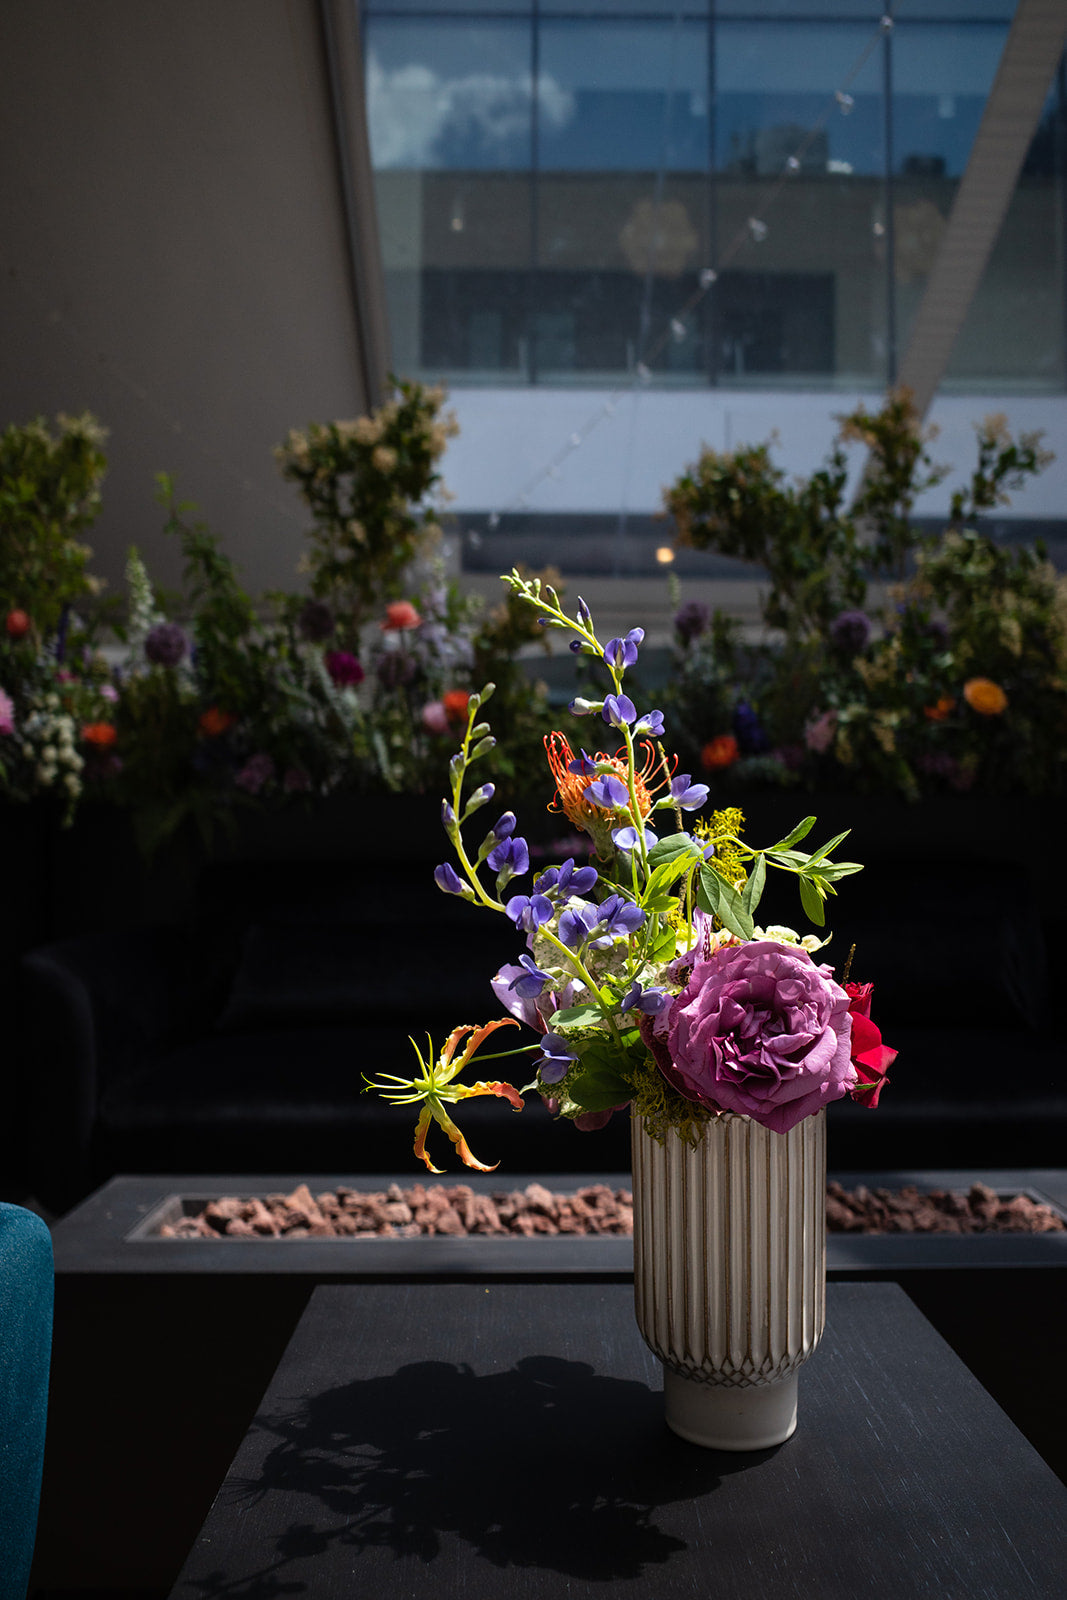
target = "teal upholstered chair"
x: 26, y: 1283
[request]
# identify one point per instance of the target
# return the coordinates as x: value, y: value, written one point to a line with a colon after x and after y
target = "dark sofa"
x: 236, y: 1039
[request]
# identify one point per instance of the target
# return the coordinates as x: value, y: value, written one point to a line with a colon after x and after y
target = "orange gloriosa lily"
x: 437, y: 1086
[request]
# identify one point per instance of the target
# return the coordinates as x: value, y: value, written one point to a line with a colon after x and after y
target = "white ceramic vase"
x: 730, y: 1273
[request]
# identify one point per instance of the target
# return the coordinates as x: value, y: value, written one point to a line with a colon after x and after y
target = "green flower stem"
x: 456, y: 834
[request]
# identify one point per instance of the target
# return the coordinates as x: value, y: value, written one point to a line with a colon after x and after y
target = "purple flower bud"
x: 585, y: 616
x: 448, y: 879
x: 448, y: 816
x: 504, y: 826
x: 581, y: 707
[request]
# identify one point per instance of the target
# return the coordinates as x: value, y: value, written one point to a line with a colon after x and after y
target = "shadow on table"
x: 547, y: 1465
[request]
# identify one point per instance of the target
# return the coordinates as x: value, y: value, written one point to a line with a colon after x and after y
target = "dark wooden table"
x: 508, y: 1439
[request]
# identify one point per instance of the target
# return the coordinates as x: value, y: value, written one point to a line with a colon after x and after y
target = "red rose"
x: 870, y: 1057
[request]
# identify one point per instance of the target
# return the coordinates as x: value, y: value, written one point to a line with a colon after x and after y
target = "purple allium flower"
x: 447, y: 878
x: 165, y: 644
x: 851, y: 631
x: 609, y: 792
x: 257, y: 770
x: 619, y: 710
x: 691, y: 620
x: 623, y: 652
x: 690, y: 796
x: 759, y: 1029
x: 316, y: 621
x: 531, y: 981
x: 556, y: 1058
x: 343, y: 668
x: 748, y: 730
x: 511, y: 856
x: 529, y: 912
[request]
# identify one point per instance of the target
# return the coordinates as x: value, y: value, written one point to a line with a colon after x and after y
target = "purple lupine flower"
x: 529, y: 912
x: 609, y: 792
x: 531, y: 981
x: 851, y: 631
x: 623, y: 652
x: 619, y: 710
x: 556, y: 1058
x: 689, y: 796
x: 629, y: 839
x: 577, y: 923
x: 650, y: 1001
x: 652, y: 723
x: 448, y: 879
x: 567, y: 879
x: 582, y: 765
x: 616, y: 915
x: 165, y: 644
x: 511, y: 856
x: 691, y: 620
x: 504, y: 826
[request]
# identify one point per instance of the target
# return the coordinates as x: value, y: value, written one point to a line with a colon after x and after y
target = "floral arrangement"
x: 958, y: 681
x: 645, y: 977
x: 212, y: 699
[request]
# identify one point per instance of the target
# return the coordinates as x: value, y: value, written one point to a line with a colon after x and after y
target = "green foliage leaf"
x: 598, y: 1084
x: 577, y: 1017
x: 801, y: 831
x: 811, y: 900
x: 722, y: 900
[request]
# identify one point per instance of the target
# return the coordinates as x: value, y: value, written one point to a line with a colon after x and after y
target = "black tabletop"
x: 508, y: 1440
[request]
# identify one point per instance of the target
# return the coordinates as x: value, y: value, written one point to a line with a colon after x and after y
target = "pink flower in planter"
x: 7, y: 713
x: 759, y: 1029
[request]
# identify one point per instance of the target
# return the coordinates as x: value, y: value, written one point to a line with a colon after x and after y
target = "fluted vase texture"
x: 730, y: 1273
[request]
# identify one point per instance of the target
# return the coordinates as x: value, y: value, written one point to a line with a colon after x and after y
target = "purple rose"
x: 760, y: 1030
x: 165, y: 644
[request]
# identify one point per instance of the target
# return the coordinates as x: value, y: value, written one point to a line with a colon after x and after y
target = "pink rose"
x: 760, y: 1030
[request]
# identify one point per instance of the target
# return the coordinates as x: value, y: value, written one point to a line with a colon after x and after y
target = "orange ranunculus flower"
x: 214, y: 722
x: 587, y: 817
x: 985, y: 697
x: 944, y: 707
x: 400, y: 614
x: 719, y: 753
x: 455, y: 702
x: 101, y: 734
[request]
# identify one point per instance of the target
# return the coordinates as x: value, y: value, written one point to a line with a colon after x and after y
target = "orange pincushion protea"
x: 571, y: 786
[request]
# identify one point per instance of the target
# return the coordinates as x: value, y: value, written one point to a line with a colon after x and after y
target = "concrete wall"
x: 173, y: 255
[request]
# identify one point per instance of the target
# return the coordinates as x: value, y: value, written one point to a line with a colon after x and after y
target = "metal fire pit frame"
x: 116, y: 1230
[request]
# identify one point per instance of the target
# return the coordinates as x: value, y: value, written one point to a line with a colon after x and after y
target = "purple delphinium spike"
x: 529, y: 912
x: 448, y: 879
x: 556, y: 1058
x: 531, y: 980
x: 619, y: 710
x: 690, y: 796
x: 609, y: 792
x: 651, y: 723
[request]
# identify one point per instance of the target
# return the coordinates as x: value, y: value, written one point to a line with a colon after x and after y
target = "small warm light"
x: 664, y: 555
